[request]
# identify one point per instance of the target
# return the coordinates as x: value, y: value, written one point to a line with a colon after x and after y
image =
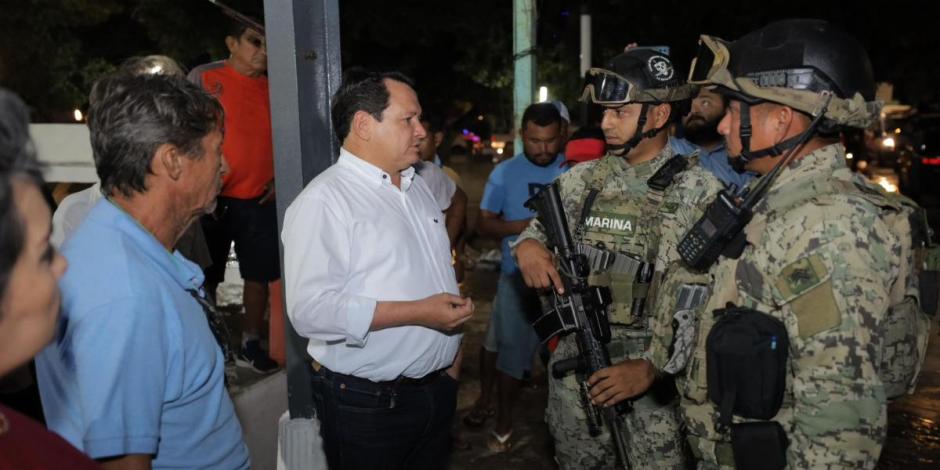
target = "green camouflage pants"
x: 653, y: 433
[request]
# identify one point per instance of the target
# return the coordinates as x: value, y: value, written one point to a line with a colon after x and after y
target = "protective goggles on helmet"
x: 800, y: 88
x: 711, y: 59
x: 606, y: 88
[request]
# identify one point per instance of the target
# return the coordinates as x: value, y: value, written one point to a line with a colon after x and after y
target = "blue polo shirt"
x: 509, y: 186
x: 134, y: 368
x: 714, y: 160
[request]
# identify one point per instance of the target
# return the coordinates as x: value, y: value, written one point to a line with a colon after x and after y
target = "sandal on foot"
x: 477, y: 417
x: 497, y: 443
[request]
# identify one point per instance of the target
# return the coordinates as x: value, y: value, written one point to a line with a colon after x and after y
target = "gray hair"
x: 134, y: 115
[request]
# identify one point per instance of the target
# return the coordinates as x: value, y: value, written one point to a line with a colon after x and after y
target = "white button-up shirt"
x: 352, y: 239
x: 442, y: 187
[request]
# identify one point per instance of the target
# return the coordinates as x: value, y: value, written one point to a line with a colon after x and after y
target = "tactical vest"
x: 906, y: 327
x: 619, y: 235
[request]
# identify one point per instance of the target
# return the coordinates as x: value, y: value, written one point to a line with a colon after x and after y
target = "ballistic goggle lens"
x: 605, y: 87
x: 710, y: 58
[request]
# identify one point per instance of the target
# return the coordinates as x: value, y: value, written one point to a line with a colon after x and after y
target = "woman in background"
x: 29, y: 294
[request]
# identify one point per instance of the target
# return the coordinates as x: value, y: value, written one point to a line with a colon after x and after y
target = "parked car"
x: 919, y: 169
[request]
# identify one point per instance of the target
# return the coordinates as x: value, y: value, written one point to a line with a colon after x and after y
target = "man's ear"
x: 784, y: 116
x: 438, y: 138
x: 230, y: 43
x: 660, y: 114
x: 168, y: 160
x: 363, y: 125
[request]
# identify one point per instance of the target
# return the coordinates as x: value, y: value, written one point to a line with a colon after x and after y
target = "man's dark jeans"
x: 390, y: 425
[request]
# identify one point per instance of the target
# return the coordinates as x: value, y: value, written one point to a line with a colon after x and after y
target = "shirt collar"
x: 372, y: 173
x: 821, y: 163
x: 186, y: 273
x: 651, y: 166
x: 683, y: 146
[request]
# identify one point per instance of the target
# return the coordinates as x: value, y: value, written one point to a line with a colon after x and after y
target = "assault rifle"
x: 581, y: 310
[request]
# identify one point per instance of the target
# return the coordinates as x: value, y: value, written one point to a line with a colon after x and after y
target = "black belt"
x: 400, y: 381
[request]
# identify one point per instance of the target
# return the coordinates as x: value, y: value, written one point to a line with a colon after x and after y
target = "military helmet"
x: 805, y: 64
x: 638, y: 75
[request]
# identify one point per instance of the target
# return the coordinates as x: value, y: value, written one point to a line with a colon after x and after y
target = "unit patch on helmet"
x: 660, y: 67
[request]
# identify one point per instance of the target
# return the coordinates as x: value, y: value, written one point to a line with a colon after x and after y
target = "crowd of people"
x: 757, y: 304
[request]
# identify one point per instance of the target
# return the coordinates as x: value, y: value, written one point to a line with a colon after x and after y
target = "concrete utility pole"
x: 523, y: 53
x: 303, y: 71
x: 585, y: 53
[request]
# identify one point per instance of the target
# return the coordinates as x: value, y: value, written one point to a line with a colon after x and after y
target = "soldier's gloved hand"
x: 537, y: 266
x: 621, y: 381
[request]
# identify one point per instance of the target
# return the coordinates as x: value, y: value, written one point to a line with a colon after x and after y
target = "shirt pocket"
x: 436, y: 231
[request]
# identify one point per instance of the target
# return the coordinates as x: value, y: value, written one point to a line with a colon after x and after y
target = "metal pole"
x: 303, y: 72
x: 585, y: 39
x: 585, y: 54
x: 523, y: 50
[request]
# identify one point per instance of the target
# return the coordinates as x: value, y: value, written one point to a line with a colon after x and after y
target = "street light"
x: 543, y: 94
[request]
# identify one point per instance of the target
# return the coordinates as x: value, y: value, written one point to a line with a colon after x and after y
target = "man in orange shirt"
x: 246, y: 212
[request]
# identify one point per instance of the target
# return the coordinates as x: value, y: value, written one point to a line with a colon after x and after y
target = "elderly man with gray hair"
x: 134, y: 377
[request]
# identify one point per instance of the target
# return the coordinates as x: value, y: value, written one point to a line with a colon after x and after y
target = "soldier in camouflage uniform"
x: 629, y: 217
x: 826, y: 253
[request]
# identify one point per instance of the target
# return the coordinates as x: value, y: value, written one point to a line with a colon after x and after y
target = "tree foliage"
x: 460, y: 53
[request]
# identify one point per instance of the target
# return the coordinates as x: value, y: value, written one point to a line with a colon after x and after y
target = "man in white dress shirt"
x: 369, y: 281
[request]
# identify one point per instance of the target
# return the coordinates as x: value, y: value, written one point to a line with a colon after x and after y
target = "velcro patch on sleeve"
x: 806, y: 285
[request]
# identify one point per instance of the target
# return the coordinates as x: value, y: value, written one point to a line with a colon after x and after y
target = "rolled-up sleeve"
x: 317, y: 249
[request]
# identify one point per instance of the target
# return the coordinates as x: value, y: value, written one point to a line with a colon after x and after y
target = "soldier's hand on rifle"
x: 537, y: 266
x: 621, y: 381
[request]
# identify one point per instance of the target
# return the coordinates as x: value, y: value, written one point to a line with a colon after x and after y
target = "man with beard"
x: 503, y: 215
x: 701, y: 134
x: 646, y: 197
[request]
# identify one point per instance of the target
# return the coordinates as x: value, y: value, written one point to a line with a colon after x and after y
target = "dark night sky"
x: 900, y: 38
x: 458, y: 51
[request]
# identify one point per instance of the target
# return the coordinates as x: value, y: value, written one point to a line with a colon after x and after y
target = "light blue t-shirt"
x: 714, y: 160
x: 134, y: 368
x: 509, y: 186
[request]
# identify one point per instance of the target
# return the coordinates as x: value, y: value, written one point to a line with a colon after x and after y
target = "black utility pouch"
x: 747, y: 364
x: 759, y: 445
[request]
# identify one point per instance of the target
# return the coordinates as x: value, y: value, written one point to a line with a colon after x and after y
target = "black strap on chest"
x: 585, y: 212
x: 666, y: 174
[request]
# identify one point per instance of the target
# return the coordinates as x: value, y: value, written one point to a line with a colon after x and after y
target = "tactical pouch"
x: 746, y: 354
x: 759, y: 445
x: 623, y: 292
x: 929, y: 288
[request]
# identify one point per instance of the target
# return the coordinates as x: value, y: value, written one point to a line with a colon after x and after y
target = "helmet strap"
x: 748, y: 155
x: 639, y: 134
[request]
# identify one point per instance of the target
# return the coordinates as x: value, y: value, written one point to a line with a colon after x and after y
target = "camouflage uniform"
x: 820, y: 258
x: 625, y: 218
